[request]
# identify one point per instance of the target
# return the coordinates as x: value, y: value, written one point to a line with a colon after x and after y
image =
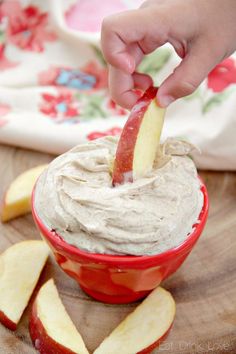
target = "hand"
x: 202, y: 33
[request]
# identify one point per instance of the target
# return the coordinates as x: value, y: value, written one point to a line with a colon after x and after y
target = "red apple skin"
x: 156, y: 344
x: 123, y: 164
x: 40, y: 339
x: 7, y: 322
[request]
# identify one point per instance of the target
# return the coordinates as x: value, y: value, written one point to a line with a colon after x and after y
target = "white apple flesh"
x: 20, y: 268
x: 139, y: 140
x: 143, y: 329
x: 17, y: 199
x: 51, y: 328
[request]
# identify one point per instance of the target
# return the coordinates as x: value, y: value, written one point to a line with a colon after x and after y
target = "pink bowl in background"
x: 119, y: 279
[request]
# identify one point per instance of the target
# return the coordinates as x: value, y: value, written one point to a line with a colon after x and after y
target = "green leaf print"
x: 2, y: 36
x: 217, y: 99
x: 91, y: 106
x: 195, y: 94
x: 154, y: 62
x: 99, y: 55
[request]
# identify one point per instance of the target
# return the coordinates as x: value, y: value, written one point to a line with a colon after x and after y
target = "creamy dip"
x: 74, y: 196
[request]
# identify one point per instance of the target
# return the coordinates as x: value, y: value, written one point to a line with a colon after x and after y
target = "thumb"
x: 192, y: 70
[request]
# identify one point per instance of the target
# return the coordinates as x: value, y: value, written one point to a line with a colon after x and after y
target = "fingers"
x: 188, y: 75
x: 114, y: 44
x: 122, y: 84
x: 121, y: 31
x: 126, y: 38
x: 142, y: 81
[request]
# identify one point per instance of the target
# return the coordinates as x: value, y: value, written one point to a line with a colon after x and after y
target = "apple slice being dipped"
x: 51, y: 328
x: 20, y: 268
x: 139, y: 139
x: 145, y: 328
x: 18, y: 196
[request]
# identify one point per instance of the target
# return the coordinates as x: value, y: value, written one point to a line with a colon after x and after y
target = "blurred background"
x: 53, y: 83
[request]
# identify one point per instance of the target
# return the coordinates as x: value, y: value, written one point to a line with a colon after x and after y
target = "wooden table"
x: 204, y: 288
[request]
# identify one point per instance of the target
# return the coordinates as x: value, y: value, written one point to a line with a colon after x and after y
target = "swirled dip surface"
x: 74, y: 196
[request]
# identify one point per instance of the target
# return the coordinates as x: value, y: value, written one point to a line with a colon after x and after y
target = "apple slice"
x: 20, y: 268
x: 51, y: 328
x: 17, y: 200
x: 139, y: 139
x: 143, y: 329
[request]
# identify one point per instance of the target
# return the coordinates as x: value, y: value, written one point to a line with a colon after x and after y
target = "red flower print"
x: 27, y: 27
x: 2, y: 122
x: 48, y: 77
x: 96, y: 134
x: 116, y: 110
x: 223, y: 75
x: 99, y: 72
x: 4, y: 62
x: 59, y: 106
x: 4, y: 109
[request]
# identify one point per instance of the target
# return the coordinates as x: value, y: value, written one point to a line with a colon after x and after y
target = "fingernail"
x: 165, y: 101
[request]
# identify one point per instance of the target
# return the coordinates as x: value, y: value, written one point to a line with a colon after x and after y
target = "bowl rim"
x: 55, y: 239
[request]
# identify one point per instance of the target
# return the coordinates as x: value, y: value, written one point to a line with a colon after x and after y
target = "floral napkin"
x: 54, y: 95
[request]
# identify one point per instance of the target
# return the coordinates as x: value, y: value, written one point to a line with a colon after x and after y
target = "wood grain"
x: 204, y: 288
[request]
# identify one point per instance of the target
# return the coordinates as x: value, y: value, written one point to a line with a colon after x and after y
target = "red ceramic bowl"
x: 119, y: 279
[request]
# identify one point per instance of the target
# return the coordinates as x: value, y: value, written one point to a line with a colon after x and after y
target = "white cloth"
x: 53, y: 88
